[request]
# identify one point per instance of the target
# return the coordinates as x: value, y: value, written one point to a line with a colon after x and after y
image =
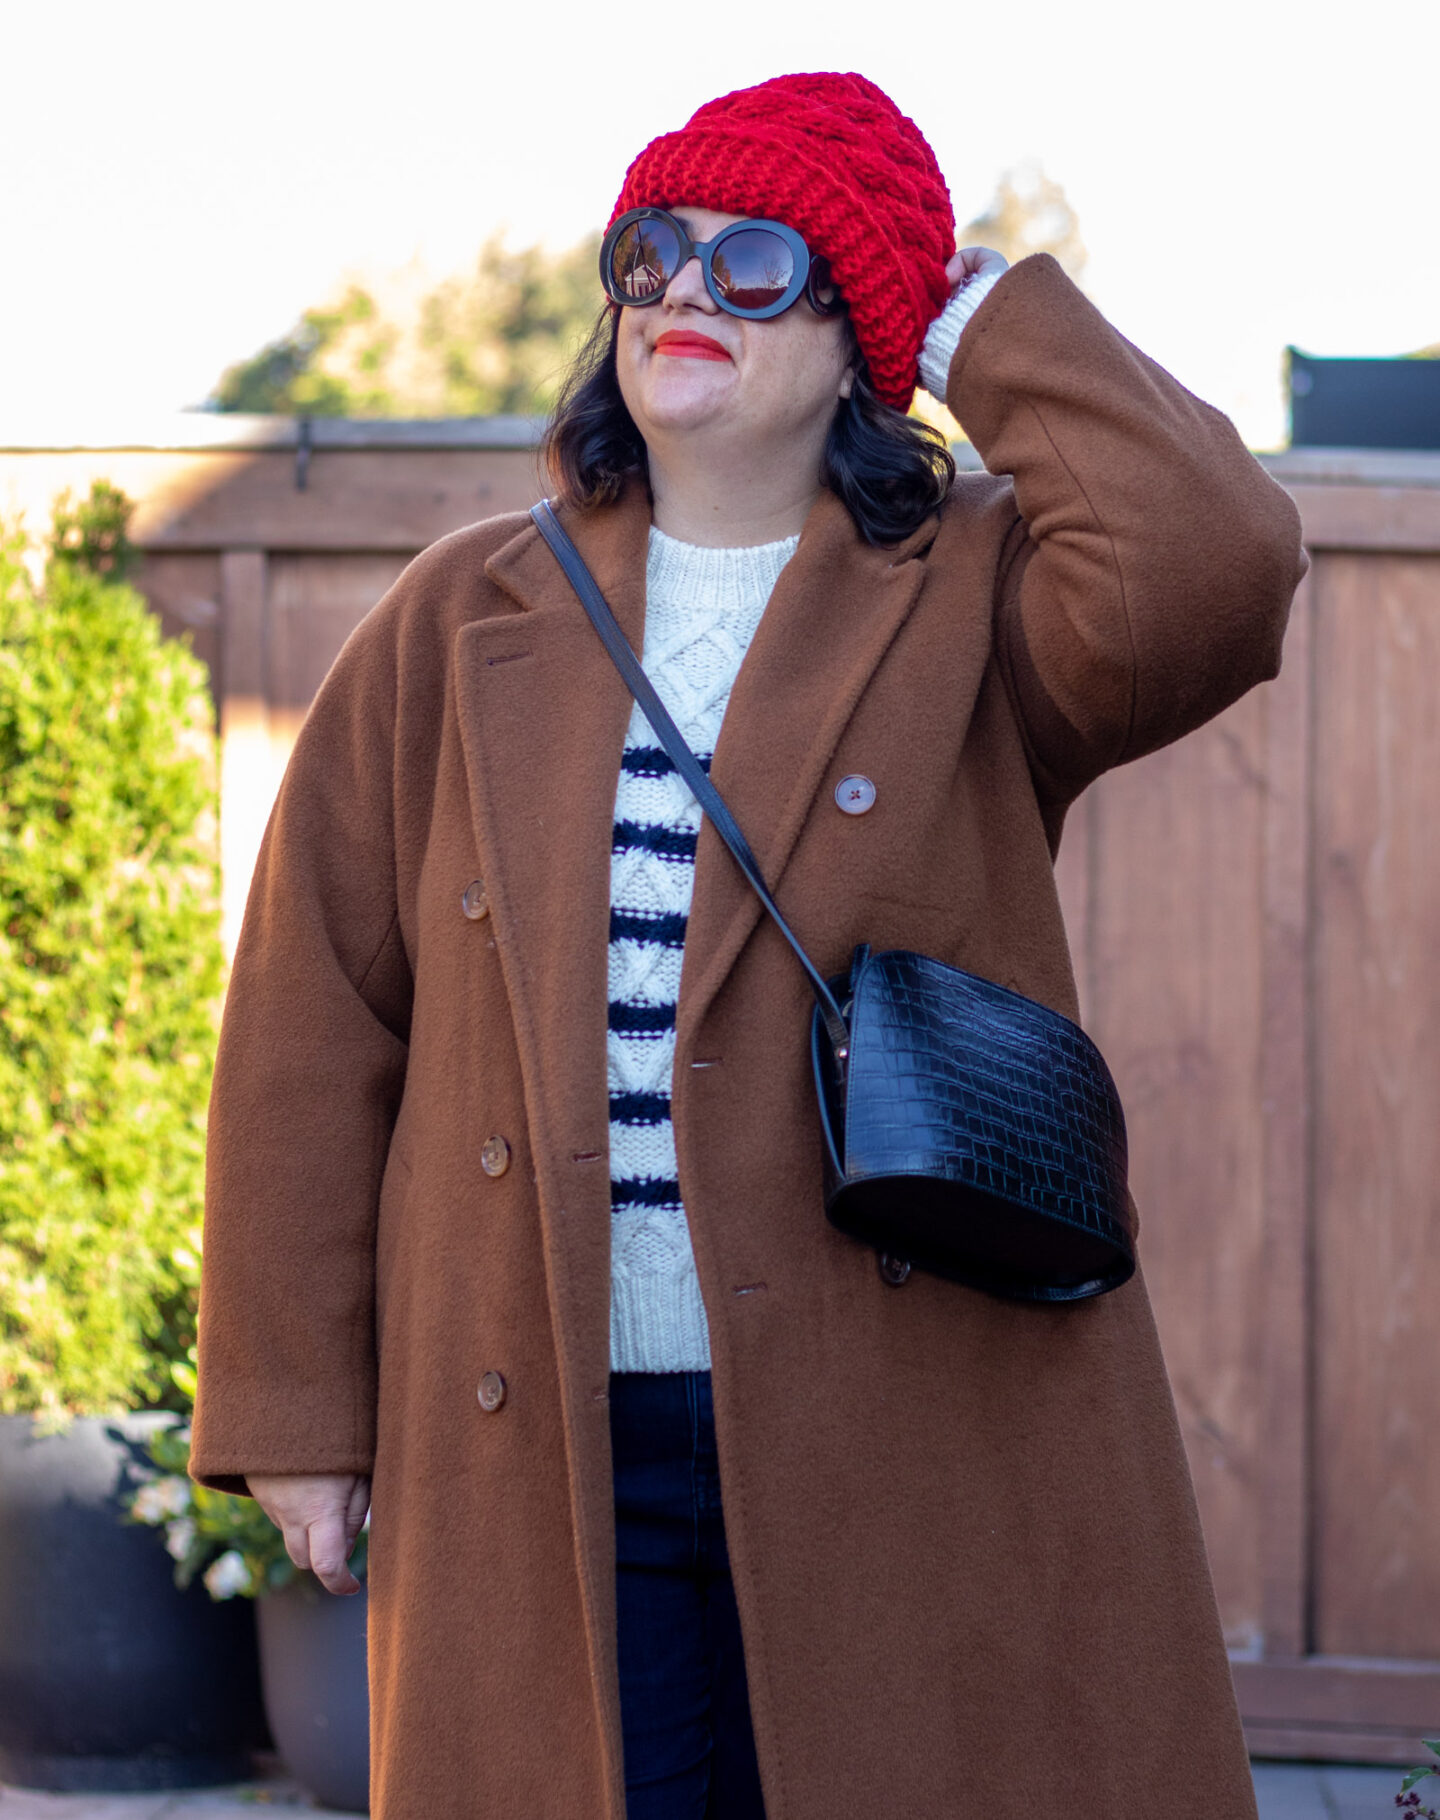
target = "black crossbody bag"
x: 967, y: 1130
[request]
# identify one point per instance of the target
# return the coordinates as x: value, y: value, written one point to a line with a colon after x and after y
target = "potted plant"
x: 313, y: 1663
x: 110, y: 974
x: 1408, y: 1801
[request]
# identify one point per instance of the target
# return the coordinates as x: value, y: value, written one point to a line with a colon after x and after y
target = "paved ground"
x: 1305, y: 1791
x: 1287, y: 1791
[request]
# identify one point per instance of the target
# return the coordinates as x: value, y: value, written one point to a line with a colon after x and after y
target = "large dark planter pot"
x: 317, y: 1696
x: 110, y: 1677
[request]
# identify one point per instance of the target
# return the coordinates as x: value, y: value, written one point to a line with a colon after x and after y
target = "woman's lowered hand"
x: 974, y: 262
x: 319, y: 1514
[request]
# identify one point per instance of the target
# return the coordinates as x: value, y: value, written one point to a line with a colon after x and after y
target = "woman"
x: 536, y: 1279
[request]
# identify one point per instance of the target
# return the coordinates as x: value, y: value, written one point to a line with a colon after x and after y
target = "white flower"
x: 178, y: 1537
x: 176, y: 1493
x: 148, y: 1504
x: 162, y: 1498
x: 227, y: 1576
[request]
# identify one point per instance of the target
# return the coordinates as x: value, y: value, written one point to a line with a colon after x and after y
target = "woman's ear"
x: 852, y: 360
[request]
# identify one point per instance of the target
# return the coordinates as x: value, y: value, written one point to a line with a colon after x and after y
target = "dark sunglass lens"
x: 643, y: 259
x: 752, y: 268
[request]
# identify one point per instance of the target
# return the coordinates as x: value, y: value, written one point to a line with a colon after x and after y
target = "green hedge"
x: 110, y: 977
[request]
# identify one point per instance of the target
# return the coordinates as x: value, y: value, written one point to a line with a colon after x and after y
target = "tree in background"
x: 1029, y: 213
x: 493, y: 342
x: 110, y: 976
x: 327, y: 366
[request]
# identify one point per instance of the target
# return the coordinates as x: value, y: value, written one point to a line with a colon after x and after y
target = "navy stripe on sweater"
x: 646, y: 1191
x: 662, y: 929
x: 640, y: 1020
x: 644, y: 837
x: 639, y: 1108
x: 654, y: 761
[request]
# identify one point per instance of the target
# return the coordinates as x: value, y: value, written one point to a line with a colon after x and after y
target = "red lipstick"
x: 687, y: 345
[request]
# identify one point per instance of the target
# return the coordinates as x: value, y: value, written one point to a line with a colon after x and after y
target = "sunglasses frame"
x: 812, y: 271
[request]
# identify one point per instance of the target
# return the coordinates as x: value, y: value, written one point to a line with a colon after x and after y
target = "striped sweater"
x: 701, y: 610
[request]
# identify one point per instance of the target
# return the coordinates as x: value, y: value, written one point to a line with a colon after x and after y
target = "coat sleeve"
x: 1149, y: 578
x: 308, y: 1079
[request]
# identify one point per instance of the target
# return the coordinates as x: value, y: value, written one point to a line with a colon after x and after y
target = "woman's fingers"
x: 971, y: 262
x: 315, y: 1515
x: 329, y: 1545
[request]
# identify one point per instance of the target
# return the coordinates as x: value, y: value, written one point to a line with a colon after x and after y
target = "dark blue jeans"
x: 684, y: 1709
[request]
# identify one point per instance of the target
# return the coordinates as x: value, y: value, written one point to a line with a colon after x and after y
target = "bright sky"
x: 180, y: 181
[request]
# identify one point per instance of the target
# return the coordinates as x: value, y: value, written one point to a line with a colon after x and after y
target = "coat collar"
x: 836, y: 608
x: 613, y: 541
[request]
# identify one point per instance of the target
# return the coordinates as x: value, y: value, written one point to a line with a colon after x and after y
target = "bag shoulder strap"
x: 680, y: 755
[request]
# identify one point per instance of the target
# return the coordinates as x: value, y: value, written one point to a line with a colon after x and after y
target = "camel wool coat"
x: 964, y: 1540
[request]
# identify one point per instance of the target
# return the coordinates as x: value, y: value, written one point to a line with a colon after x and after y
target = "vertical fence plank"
x: 1176, y: 961
x: 1284, y: 1463
x: 1377, y: 1012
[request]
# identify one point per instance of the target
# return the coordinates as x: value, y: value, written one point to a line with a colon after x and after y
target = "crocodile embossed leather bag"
x: 967, y: 1130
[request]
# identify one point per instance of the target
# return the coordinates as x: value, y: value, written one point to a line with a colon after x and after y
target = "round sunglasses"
x: 751, y: 268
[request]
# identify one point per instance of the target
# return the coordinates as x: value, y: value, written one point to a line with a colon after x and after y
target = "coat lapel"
x: 836, y: 609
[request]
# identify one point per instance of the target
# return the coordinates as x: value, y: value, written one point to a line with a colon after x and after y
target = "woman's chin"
x: 686, y: 394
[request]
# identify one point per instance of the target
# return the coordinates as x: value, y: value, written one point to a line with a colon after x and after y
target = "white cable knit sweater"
x: 701, y: 610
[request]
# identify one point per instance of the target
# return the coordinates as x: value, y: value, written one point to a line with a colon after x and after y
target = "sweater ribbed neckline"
x: 731, y: 582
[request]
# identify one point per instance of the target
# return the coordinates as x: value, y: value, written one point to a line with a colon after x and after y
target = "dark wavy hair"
x: 892, y: 471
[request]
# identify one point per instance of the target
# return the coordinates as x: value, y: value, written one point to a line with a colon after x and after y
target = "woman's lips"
x: 687, y: 345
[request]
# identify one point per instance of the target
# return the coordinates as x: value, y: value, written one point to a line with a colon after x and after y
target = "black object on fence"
x: 1363, y: 404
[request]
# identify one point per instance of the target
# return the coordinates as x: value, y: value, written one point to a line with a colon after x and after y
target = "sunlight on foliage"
x: 492, y: 342
x: 110, y: 975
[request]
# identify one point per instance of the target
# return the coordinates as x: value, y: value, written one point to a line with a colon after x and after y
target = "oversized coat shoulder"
x: 963, y: 1535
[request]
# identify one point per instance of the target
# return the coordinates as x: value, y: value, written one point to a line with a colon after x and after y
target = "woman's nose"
x: 688, y: 287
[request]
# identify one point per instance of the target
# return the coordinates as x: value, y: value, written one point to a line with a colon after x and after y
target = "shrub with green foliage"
x: 110, y: 977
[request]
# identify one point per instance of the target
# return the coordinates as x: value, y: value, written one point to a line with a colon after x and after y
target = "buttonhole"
x: 599, y: 1396
x: 750, y: 1289
x: 586, y: 1156
x: 510, y: 657
x: 713, y: 1062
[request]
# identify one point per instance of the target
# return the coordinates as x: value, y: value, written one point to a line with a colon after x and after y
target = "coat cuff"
x: 242, y: 1425
x: 943, y: 336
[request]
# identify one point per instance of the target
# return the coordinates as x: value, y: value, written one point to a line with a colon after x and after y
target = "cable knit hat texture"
x: 834, y: 158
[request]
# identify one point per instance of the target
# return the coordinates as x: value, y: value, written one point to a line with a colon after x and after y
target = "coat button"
x: 491, y: 1392
x: 473, y: 900
x: 855, y: 794
x: 495, y: 1156
x: 894, y: 1270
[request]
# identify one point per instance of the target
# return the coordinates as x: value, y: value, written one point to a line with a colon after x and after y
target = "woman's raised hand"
x: 319, y: 1514
x: 974, y: 262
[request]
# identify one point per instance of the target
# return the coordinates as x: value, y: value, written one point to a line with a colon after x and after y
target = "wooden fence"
x: 1255, y: 916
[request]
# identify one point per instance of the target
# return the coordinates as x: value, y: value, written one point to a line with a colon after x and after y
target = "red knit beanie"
x: 835, y: 159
